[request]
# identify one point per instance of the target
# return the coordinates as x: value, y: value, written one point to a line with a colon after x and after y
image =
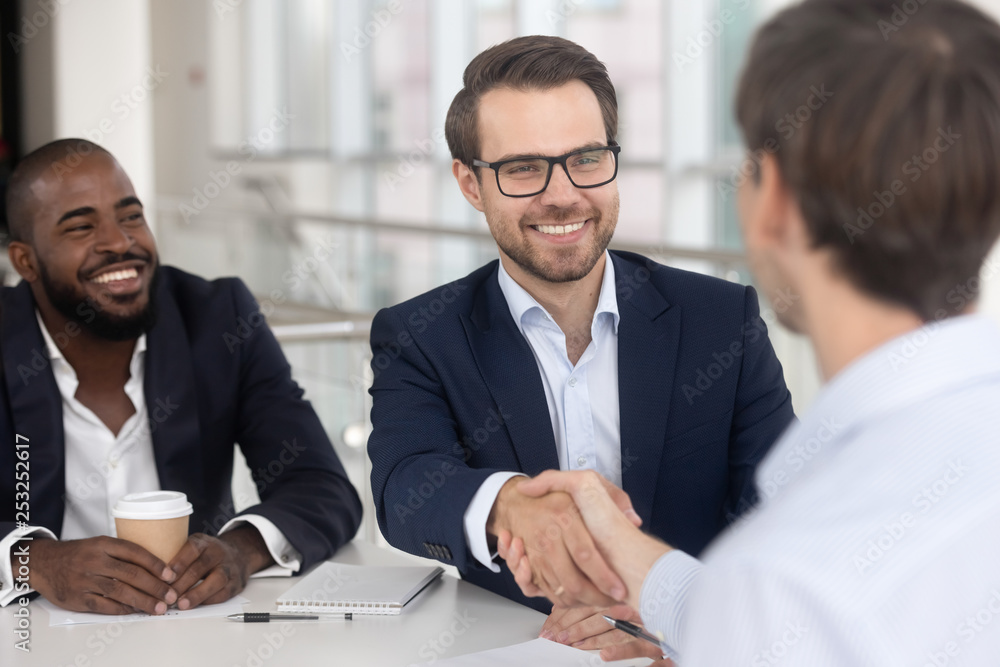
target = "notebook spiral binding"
x: 344, y: 606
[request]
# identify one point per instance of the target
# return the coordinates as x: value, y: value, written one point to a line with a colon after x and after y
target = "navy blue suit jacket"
x: 457, y: 396
x: 214, y: 376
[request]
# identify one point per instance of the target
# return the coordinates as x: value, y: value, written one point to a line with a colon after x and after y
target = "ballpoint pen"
x: 265, y: 617
x: 632, y: 629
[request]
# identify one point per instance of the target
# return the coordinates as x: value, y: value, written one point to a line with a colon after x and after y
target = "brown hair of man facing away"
x: 537, y: 62
x: 896, y: 169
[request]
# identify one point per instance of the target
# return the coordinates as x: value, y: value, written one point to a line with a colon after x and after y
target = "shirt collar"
x: 521, y: 303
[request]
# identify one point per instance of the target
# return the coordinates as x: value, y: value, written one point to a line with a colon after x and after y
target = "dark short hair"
x: 884, y: 119
x: 536, y: 62
x: 61, y: 156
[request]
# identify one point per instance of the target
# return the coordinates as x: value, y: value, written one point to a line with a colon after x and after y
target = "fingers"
x: 632, y: 648
x: 595, y: 570
x: 503, y: 544
x: 126, y: 599
x: 215, y: 587
x: 622, y: 500
x: 192, y: 563
x: 124, y: 550
x: 525, y: 580
x: 211, y: 562
x: 563, y: 618
x: 127, y: 583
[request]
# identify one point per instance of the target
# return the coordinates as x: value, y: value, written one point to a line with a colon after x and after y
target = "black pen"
x: 265, y: 617
x: 632, y: 629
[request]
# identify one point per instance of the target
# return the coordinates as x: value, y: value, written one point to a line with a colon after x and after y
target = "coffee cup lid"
x: 152, y: 505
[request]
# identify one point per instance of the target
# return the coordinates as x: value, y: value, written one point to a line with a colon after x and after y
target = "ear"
x: 468, y: 184
x: 23, y: 259
x: 773, y: 217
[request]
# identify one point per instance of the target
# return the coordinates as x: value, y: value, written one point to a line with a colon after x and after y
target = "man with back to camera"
x: 879, y: 546
x: 123, y: 376
x: 562, y: 355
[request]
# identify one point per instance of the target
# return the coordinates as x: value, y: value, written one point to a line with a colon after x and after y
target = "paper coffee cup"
x: 155, y: 520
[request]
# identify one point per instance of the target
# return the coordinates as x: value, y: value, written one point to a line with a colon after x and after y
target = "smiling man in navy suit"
x: 562, y: 355
x: 123, y: 376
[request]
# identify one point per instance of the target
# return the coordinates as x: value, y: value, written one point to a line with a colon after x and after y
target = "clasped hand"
x: 107, y: 575
x: 560, y: 558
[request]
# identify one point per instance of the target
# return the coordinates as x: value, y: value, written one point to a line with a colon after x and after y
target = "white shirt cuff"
x: 287, y: 559
x: 664, y: 597
x: 478, y: 513
x: 10, y: 589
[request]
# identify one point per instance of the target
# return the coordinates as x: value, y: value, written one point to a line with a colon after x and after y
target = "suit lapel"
x: 648, y: 335
x: 508, y: 367
x: 35, y: 405
x: 172, y: 400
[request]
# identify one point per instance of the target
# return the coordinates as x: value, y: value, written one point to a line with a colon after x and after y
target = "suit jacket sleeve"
x: 303, y: 487
x: 762, y: 411
x: 420, y: 481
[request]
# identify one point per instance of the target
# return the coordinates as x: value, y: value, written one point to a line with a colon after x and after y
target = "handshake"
x: 574, y: 538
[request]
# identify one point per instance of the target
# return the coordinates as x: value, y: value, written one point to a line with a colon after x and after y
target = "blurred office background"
x: 299, y: 145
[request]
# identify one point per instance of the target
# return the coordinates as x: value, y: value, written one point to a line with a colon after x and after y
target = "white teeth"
x: 559, y: 230
x: 105, y: 278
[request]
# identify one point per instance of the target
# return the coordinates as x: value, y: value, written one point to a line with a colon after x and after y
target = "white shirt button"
x: 572, y: 382
x: 581, y: 461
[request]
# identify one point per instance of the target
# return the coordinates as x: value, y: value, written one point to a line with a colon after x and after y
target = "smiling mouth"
x: 115, y: 276
x: 560, y: 230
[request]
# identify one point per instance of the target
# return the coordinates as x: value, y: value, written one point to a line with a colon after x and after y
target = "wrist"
x: 632, y: 558
x: 497, y: 520
x: 250, y: 548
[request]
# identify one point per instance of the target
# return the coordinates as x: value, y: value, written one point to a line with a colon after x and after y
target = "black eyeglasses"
x: 530, y: 175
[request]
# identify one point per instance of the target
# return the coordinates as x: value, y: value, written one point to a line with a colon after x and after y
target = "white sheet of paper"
x: 60, y: 616
x: 535, y: 652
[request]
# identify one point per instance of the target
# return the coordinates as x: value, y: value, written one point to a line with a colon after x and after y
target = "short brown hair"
x: 884, y: 119
x: 536, y: 62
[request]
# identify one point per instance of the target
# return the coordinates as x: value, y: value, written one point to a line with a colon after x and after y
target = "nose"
x: 560, y: 192
x: 112, y: 238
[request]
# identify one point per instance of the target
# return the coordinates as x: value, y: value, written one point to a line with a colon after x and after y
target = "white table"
x: 450, y: 618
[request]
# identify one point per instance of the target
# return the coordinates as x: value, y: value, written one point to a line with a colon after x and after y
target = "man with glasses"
x: 562, y: 355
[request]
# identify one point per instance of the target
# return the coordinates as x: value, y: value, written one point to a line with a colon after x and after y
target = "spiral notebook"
x: 357, y: 589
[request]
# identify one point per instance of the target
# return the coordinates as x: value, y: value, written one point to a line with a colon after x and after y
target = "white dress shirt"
x: 101, y: 467
x: 582, y: 399
x: 878, y: 533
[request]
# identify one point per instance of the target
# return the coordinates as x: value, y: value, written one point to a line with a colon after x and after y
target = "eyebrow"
x: 516, y: 156
x: 131, y: 200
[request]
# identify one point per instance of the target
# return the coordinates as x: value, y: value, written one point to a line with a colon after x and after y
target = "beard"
x: 557, y: 264
x: 95, y: 319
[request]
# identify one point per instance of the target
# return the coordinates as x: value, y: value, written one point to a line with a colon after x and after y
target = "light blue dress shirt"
x: 582, y: 399
x: 877, y: 540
